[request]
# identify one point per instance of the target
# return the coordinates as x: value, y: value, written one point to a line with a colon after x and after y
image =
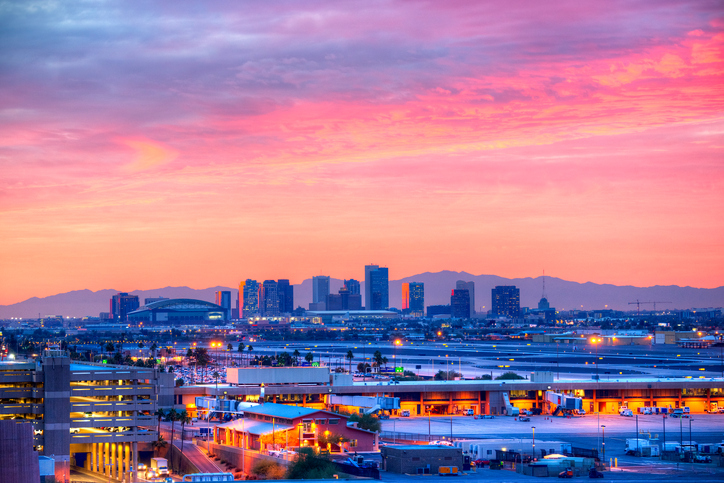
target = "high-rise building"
x: 344, y: 300
x: 251, y: 298
x: 121, y: 305
x: 223, y: 299
x: 353, y: 286
x: 506, y: 301
x: 269, y: 298
x: 460, y: 303
x: 417, y: 299
x: 286, y: 296
x: 405, y: 297
x: 240, y: 301
x: 377, y: 295
x: 320, y: 288
x: 470, y: 287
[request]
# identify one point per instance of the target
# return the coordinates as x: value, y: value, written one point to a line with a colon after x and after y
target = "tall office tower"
x: 269, y: 298
x: 460, y: 303
x: 121, y: 305
x: 377, y: 288
x: 286, y: 296
x: 320, y: 288
x: 405, y: 296
x: 240, y: 301
x: 353, y: 286
x: 470, y: 287
x: 506, y: 300
x: 251, y: 298
x: 223, y: 299
x: 417, y: 298
x: 368, y: 285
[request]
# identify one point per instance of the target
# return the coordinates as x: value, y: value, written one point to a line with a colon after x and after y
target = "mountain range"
x: 561, y: 294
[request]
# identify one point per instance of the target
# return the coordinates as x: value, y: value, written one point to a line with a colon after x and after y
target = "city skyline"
x: 285, y: 140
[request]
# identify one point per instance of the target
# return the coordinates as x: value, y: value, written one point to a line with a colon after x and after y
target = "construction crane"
x: 638, y: 305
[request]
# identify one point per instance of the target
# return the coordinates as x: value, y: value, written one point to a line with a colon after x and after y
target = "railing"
x: 123, y: 437
x: 98, y: 391
x: 85, y: 406
x: 394, y: 436
x: 21, y: 408
x: 102, y: 422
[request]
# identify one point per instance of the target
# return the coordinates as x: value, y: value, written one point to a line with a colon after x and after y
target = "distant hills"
x: 561, y: 294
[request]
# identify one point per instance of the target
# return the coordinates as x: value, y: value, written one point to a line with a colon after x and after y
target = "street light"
x: 533, y: 428
x: 603, y: 447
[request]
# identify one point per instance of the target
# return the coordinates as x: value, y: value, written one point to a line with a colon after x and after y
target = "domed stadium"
x: 177, y: 312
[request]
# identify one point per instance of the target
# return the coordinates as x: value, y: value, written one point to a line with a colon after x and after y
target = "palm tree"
x: 240, y: 350
x: 296, y: 355
x: 309, y: 357
x: 378, y: 359
x: 172, y: 416
x: 159, y: 443
x: 228, y: 350
x: 160, y: 414
x: 350, y: 356
x: 153, y: 350
x: 216, y: 376
x: 184, y: 419
x: 249, y: 348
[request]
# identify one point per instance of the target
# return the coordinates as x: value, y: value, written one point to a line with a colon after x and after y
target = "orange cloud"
x: 148, y: 154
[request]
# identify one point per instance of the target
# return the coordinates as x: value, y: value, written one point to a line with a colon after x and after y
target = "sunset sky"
x: 147, y: 144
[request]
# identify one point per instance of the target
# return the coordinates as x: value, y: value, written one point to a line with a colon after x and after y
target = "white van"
x: 405, y: 413
x: 469, y: 412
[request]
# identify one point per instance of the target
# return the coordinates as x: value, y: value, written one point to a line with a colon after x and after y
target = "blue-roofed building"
x: 178, y: 312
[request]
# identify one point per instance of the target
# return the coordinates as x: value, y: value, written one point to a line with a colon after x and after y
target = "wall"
x: 242, y: 459
x: 278, y: 375
x: 18, y: 460
x: 407, y: 459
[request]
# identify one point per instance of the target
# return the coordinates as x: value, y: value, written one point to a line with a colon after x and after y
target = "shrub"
x: 309, y: 466
x: 271, y: 470
x: 508, y: 376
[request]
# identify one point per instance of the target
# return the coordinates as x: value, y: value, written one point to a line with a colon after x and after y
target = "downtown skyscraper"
x: 377, y: 296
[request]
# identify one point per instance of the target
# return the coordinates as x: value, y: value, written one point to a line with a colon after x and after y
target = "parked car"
x: 481, y: 463
x: 702, y: 459
x: 593, y: 473
x: 524, y: 419
x: 487, y: 416
x: 384, y: 416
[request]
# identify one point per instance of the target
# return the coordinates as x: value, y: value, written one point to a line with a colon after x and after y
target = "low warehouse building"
x: 416, y: 459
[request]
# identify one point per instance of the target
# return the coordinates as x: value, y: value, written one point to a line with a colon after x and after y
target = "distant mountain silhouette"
x: 561, y: 294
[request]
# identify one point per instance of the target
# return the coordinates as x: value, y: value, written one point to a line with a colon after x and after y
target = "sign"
x: 399, y: 369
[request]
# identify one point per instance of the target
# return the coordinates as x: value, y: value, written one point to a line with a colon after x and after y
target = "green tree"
x: 349, y: 357
x: 109, y: 347
x: 154, y: 347
x: 309, y: 357
x: 508, y: 376
x: 310, y: 466
x: 249, y: 348
x: 296, y: 355
x: 446, y: 376
x: 370, y: 422
x: 140, y: 345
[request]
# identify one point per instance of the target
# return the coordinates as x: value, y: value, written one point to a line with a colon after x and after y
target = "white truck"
x: 641, y: 447
x: 159, y: 467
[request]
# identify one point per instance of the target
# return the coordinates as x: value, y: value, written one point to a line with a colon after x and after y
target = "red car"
x: 482, y: 463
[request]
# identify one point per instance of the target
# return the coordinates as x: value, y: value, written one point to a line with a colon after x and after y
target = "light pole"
x: 664, y: 420
x: 533, y: 428
x: 603, y: 446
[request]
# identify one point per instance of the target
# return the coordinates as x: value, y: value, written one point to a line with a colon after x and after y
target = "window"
x: 334, y: 421
x: 321, y: 421
x: 448, y: 458
x: 490, y: 451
